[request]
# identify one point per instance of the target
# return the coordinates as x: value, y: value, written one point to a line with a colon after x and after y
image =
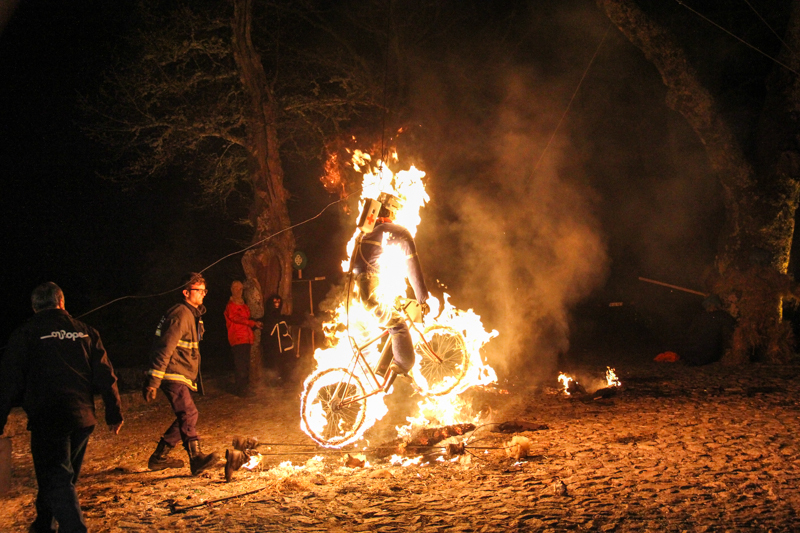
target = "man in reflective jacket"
x: 174, y: 367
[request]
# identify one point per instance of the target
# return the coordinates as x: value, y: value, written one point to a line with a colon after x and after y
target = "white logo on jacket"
x: 69, y: 335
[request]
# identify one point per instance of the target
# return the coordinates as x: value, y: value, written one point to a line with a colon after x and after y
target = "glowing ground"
x: 677, y: 449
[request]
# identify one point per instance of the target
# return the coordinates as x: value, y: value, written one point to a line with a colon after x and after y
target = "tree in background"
x: 744, y: 108
x: 217, y: 93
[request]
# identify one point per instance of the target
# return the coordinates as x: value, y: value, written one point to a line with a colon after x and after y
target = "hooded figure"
x: 277, y: 338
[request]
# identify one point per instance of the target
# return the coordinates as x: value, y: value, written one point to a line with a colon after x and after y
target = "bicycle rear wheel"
x: 333, y: 407
x: 440, y: 376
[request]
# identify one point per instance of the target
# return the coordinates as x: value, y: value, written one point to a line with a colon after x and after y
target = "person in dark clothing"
x: 53, y: 365
x: 709, y: 334
x: 240, y: 336
x: 276, y: 338
x: 366, y: 269
x: 174, y: 367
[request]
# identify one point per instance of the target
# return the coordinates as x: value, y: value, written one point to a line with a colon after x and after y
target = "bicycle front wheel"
x: 333, y: 407
x: 443, y: 360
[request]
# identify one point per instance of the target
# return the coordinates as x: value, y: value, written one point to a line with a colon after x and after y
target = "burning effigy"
x: 345, y: 394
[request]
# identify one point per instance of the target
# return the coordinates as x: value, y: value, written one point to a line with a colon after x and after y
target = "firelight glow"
x: 352, y: 323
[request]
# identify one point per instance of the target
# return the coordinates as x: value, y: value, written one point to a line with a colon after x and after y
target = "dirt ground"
x: 675, y: 449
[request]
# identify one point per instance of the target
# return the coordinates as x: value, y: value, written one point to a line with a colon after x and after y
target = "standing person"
x: 366, y: 268
x: 240, y: 337
x: 174, y: 366
x: 277, y: 339
x: 53, y: 365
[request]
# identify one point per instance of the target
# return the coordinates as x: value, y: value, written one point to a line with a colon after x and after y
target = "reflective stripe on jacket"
x: 175, y: 355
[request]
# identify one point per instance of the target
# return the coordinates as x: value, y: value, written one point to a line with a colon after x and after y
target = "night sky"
x: 485, y: 99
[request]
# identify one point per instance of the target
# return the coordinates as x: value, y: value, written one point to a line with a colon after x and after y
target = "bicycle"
x: 334, y: 400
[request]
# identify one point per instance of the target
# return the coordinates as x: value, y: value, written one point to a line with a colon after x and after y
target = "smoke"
x: 521, y: 247
x: 531, y: 205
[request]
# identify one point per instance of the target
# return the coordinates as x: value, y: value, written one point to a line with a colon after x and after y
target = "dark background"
x: 649, y: 184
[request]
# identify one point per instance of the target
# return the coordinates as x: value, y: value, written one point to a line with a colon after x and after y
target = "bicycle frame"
x: 360, y: 358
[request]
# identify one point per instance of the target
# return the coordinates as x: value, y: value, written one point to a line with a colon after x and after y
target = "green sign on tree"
x: 299, y: 260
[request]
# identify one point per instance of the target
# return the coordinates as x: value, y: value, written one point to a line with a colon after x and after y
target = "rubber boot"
x: 159, y: 459
x: 199, y: 461
x: 234, y: 459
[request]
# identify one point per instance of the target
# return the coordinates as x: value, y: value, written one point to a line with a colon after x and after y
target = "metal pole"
x: 311, y: 308
x: 684, y: 289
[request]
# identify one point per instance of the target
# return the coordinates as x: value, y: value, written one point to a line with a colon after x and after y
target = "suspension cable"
x: 253, y: 245
x: 574, y: 94
x: 790, y: 69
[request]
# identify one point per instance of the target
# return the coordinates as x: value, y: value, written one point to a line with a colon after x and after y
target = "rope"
x: 790, y: 69
x: 385, y: 84
x: 142, y: 297
x: 574, y: 94
x: 770, y: 28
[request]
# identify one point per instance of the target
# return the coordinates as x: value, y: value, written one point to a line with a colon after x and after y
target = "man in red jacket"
x: 240, y: 337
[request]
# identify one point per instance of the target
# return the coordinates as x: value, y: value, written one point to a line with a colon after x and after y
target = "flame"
x: 338, y: 377
x: 405, y: 461
x: 254, y: 461
x: 611, y: 378
x: 565, y: 380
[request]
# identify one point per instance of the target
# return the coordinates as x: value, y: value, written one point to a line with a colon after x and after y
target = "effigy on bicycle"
x: 334, y: 401
x: 343, y: 397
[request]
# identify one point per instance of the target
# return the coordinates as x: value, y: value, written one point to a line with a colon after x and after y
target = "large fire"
x: 343, y: 397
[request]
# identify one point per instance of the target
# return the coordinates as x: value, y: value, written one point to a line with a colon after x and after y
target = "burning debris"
x: 518, y: 447
x: 574, y: 389
x: 243, y: 455
x: 570, y: 385
x: 422, y: 440
x: 518, y: 427
x: 354, y: 461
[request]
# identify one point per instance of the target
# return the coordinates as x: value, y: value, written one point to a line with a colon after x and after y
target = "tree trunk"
x: 267, y: 266
x: 760, y: 193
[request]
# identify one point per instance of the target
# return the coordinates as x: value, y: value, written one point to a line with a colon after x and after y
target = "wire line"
x: 790, y: 69
x: 574, y: 94
x: 770, y: 28
x: 253, y: 245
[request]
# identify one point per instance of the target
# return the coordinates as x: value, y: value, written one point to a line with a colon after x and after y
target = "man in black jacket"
x: 174, y: 366
x: 53, y: 365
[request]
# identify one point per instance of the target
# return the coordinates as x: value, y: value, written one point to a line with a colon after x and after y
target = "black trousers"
x: 184, y: 428
x: 57, y: 460
x: 241, y: 366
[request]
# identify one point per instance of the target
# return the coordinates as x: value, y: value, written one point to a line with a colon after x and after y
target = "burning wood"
x: 518, y: 427
x: 353, y: 461
x: 422, y: 440
x: 573, y: 388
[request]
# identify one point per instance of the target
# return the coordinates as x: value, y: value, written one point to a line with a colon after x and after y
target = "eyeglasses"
x: 202, y: 291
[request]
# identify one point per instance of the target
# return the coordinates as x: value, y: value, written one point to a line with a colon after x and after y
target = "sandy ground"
x: 676, y: 449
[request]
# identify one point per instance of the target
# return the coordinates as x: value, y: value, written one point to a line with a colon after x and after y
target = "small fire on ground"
x: 573, y: 387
